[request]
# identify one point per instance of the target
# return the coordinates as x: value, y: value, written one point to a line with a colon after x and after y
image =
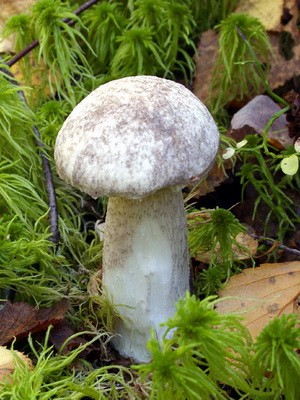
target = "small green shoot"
x: 235, y: 75
x: 200, y: 348
x: 260, y: 172
x: 59, y: 47
x: 216, y: 234
x: 105, y: 22
x: 276, y: 362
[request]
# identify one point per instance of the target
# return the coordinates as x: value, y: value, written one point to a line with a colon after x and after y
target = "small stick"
x: 271, y: 242
x: 53, y: 214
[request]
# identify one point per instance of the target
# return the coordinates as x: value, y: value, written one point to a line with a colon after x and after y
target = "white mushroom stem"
x: 145, y: 265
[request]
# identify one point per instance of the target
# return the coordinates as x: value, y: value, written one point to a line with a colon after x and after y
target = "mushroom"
x: 139, y: 140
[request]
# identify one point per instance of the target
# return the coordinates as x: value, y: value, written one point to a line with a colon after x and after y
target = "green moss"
x: 276, y: 362
x: 202, y: 348
x: 216, y: 234
x: 235, y: 76
x: 55, y: 376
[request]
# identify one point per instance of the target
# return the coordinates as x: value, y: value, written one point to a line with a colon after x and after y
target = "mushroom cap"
x: 133, y: 136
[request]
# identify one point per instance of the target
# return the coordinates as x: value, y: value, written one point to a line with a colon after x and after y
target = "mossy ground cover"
x: 49, y: 249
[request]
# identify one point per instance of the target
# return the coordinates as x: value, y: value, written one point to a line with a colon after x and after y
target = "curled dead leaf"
x: 216, y: 176
x: 255, y: 115
x: 20, y: 319
x: 94, y: 284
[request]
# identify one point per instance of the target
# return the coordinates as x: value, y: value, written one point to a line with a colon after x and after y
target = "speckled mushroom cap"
x: 135, y: 135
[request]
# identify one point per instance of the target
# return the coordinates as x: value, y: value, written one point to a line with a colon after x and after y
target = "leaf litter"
x: 259, y: 294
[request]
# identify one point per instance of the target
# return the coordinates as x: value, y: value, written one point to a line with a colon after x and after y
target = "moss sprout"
x: 276, y: 362
x: 59, y: 47
x: 219, y: 229
x: 235, y: 75
x: 202, y: 352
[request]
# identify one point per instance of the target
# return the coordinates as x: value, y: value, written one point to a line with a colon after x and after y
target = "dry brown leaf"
x: 262, y: 293
x: 63, y: 340
x: 205, y: 58
x: 275, y: 15
x: 20, y: 319
x: 287, y: 65
x: 283, y: 69
x: 256, y: 114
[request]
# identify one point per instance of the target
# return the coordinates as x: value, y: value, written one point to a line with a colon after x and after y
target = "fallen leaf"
x: 20, y: 319
x: 262, y: 293
x: 216, y: 176
x: 256, y: 114
x: 293, y: 117
x: 94, y: 284
x: 205, y: 59
x: 63, y: 340
x: 275, y: 15
x: 284, y: 68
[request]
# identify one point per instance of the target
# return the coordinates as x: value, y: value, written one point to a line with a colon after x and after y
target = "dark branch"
x: 272, y: 242
x: 84, y: 7
x: 22, y: 53
x: 53, y: 214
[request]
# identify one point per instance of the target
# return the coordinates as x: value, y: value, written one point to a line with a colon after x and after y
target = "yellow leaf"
x: 262, y: 293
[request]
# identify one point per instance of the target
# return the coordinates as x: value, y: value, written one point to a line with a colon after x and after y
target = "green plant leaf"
x: 290, y: 165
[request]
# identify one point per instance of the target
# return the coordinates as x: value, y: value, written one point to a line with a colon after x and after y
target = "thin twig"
x: 53, y: 214
x: 82, y: 8
x: 36, y: 42
x: 272, y: 242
